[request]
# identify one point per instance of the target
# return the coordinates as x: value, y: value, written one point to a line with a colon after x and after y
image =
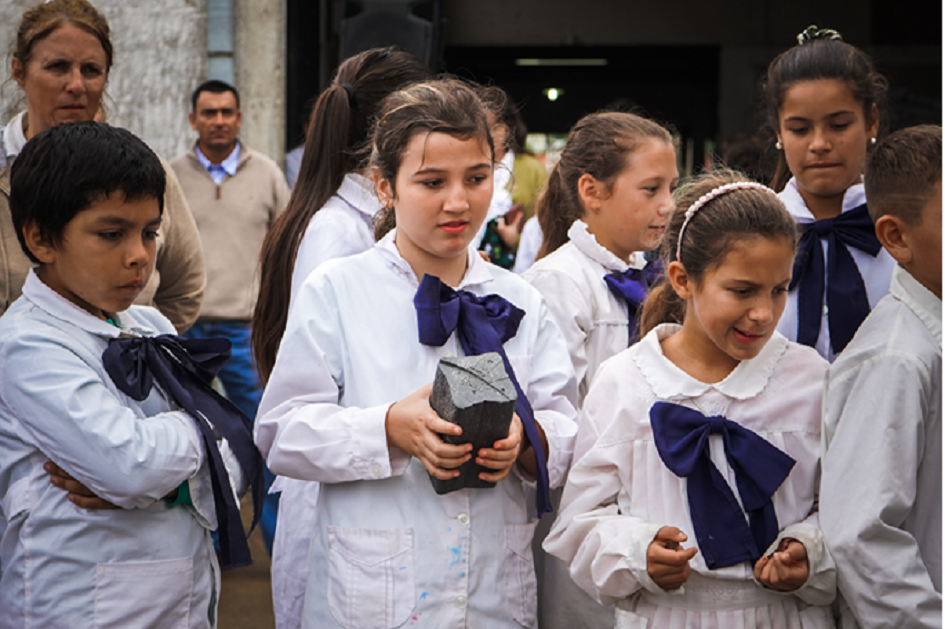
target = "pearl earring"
x: 872, y: 140
x: 778, y: 145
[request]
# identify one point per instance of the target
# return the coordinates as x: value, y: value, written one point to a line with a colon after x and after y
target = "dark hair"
x: 711, y: 233
x: 214, y: 87
x: 65, y: 169
x: 46, y: 17
x: 599, y: 145
x: 747, y: 154
x: 821, y: 58
x: 901, y: 172
x: 335, y: 145
x: 446, y: 105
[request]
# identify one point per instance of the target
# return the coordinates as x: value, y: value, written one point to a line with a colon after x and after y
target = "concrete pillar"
x: 260, y: 74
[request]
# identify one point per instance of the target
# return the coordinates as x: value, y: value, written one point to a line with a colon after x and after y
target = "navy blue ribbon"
x: 632, y: 286
x: 482, y: 324
x: 847, y: 303
x: 184, y: 369
x: 725, y: 538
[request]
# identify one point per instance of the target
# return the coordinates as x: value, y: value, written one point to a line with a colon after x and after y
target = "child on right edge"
x: 707, y: 429
x: 881, y: 506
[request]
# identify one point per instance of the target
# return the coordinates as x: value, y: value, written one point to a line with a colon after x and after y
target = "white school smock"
x: 145, y: 564
x: 341, y: 228
x: 594, y: 322
x: 881, y: 493
x: 385, y: 548
x: 876, y: 272
x: 619, y: 492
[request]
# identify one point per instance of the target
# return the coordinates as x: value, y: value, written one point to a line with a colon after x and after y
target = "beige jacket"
x: 233, y: 219
x: 177, y: 283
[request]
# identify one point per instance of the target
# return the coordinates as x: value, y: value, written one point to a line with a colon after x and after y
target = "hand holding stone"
x: 415, y: 428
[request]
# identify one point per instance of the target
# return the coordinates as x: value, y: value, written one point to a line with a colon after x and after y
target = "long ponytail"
x: 335, y: 145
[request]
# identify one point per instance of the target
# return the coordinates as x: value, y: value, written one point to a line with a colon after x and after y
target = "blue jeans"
x: 241, y: 385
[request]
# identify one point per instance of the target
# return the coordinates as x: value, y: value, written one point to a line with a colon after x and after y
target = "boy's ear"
x: 37, y: 244
x: 589, y: 191
x: 890, y: 230
x: 679, y: 279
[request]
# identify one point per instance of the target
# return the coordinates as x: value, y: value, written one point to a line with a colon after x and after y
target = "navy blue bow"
x: 483, y: 324
x: 847, y: 303
x: 725, y: 538
x: 632, y: 286
x: 184, y: 369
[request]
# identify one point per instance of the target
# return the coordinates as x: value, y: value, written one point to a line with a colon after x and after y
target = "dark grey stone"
x: 476, y: 393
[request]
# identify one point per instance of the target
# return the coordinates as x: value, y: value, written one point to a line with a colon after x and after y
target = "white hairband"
x: 708, y: 196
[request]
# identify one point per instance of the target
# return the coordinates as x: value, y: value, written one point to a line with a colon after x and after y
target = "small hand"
x: 667, y: 562
x: 786, y: 569
x: 78, y: 494
x: 509, y: 231
x: 502, y: 455
x: 414, y: 427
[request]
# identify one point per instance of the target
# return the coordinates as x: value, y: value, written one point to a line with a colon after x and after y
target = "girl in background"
x: 707, y: 430
x: 608, y: 199
x: 823, y: 100
x: 329, y: 216
x: 347, y: 403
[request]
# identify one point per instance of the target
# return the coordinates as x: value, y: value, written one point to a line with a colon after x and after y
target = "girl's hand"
x: 786, y: 569
x: 78, y: 494
x: 415, y: 428
x: 667, y: 562
x: 503, y: 454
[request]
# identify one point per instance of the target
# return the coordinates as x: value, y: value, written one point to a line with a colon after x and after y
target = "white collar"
x: 45, y: 298
x: 228, y: 165
x: 586, y: 243
x: 477, y: 269
x: 669, y: 382
x: 920, y: 300
x: 358, y: 192
x: 14, y: 139
x: 854, y: 197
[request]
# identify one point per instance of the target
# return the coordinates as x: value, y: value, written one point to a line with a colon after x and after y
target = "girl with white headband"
x: 692, y: 501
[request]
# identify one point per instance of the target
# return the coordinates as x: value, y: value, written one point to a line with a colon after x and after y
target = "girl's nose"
x: 762, y: 311
x: 819, y: 141
x: 457, y: 199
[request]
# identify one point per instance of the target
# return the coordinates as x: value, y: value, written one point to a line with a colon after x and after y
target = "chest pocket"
x: 371, y: 581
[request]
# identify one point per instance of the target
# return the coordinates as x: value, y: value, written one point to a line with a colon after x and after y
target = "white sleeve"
x: 571, y: 310
x: 66, y: 411
x: 874, y: 434
x: 605, y: 548
x: 300, y: 429
x: 552, y: 392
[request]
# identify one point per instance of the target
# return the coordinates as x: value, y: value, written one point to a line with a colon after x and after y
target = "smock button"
x: 463, y: 518
x: 376, y: 470
x: 461, y: 602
